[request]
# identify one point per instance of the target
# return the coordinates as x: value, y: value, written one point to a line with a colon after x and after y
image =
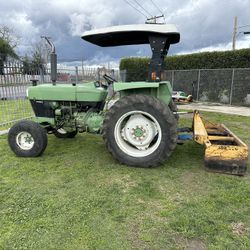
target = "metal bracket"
x: 159, y: 46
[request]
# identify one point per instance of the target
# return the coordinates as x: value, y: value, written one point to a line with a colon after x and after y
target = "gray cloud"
x: 204, y: 24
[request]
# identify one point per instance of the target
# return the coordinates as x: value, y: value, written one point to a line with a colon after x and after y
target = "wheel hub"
x: 139, y: 131
x: 25, y: 140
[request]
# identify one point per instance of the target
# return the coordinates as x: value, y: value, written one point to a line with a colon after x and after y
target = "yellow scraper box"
x: 224, y: 151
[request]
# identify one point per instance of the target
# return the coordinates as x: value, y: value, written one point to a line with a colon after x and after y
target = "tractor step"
x: 224, y: 151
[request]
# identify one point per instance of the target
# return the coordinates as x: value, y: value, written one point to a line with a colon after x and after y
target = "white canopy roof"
x: 130, y: 34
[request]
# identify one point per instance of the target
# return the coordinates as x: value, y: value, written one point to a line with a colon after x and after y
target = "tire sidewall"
x: 36, y: 131
x: 163, y: 123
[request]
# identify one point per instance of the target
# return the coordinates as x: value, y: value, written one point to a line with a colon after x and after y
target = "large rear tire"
x: 27, y: 139
x: 140, y: 130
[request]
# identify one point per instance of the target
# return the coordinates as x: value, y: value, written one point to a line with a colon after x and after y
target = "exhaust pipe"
x: 53, y: 60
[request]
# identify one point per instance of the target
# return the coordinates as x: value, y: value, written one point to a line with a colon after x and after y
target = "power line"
x: 157, y: 7
x: 143, y: 8
x: 135, y: 8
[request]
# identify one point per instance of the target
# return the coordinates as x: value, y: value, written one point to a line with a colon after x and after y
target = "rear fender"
x: 159, y: 90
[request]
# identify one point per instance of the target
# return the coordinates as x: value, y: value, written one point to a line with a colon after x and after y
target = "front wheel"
x: 140, y: 130
x: 27, y: 139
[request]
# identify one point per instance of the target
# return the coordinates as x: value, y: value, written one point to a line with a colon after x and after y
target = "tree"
x: 26, y: 68
x: 7, y: 44
x: 8, y: 35
x: 5, y: 51
x: 36, y: 62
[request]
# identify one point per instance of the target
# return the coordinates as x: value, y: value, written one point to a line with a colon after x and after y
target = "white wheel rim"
x: 61, y: 131
x: 25, y: 140
x: 137, y: 133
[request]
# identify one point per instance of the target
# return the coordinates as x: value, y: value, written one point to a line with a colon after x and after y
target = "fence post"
x: 76, y: 75
x: 98, y: 75
x: 172, y: 80
x: 198, y: 84
x: 41, y: 74
x: 231, y: 89
x: 112, y: 72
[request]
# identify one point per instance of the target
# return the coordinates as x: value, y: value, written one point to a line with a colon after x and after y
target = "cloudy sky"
x: 205, y: 25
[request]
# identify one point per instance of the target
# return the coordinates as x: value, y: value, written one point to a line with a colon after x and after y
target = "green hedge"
x: 138, y: 67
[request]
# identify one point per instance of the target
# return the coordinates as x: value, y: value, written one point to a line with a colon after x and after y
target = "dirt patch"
x: 193, y: 182
x: 190, y: 244
x: 137, y: 242
x: 239, y: 228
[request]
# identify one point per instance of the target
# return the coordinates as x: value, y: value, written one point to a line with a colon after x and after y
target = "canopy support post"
x: 159, y: 46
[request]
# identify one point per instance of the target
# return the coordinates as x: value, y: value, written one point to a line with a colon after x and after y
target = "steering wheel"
x: 109, y: 79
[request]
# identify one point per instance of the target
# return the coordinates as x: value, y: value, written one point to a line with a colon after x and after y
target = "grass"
x: 76, y: 196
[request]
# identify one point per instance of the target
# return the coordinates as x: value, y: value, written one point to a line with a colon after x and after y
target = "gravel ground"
x: 215, y: 107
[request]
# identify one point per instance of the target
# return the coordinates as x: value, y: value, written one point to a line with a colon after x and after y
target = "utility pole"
x: 235, y: 32
x: 153, y: 19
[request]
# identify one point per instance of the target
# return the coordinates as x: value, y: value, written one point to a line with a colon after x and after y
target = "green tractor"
x: 139, y: 129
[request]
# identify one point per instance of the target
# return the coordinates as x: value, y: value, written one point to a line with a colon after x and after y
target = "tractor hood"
x: 67, y: 92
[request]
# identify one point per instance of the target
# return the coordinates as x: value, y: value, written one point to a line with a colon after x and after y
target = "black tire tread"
x: 36, y: 130
x: 132, y: 101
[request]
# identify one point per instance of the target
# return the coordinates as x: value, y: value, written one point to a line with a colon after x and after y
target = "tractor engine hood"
x: 67, y: 92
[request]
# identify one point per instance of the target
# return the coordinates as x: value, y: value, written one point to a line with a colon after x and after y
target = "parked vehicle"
x: 181, y: 97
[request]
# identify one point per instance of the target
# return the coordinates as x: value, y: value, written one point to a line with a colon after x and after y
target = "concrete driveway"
x: 215, y: 107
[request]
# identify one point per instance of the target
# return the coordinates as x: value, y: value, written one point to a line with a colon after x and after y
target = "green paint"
x: 89, y: 121
x: 89, y: 93
x: 94, y: 122
x: 43, y: 120
x: 159, y: 90
x: 58, y: 92
x: 119, y: 86
x: 67, y: 92
x: 139, y: 132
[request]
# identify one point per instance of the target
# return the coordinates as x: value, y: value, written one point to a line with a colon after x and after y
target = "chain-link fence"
x: 15, y: 79
x: 227, y: 86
